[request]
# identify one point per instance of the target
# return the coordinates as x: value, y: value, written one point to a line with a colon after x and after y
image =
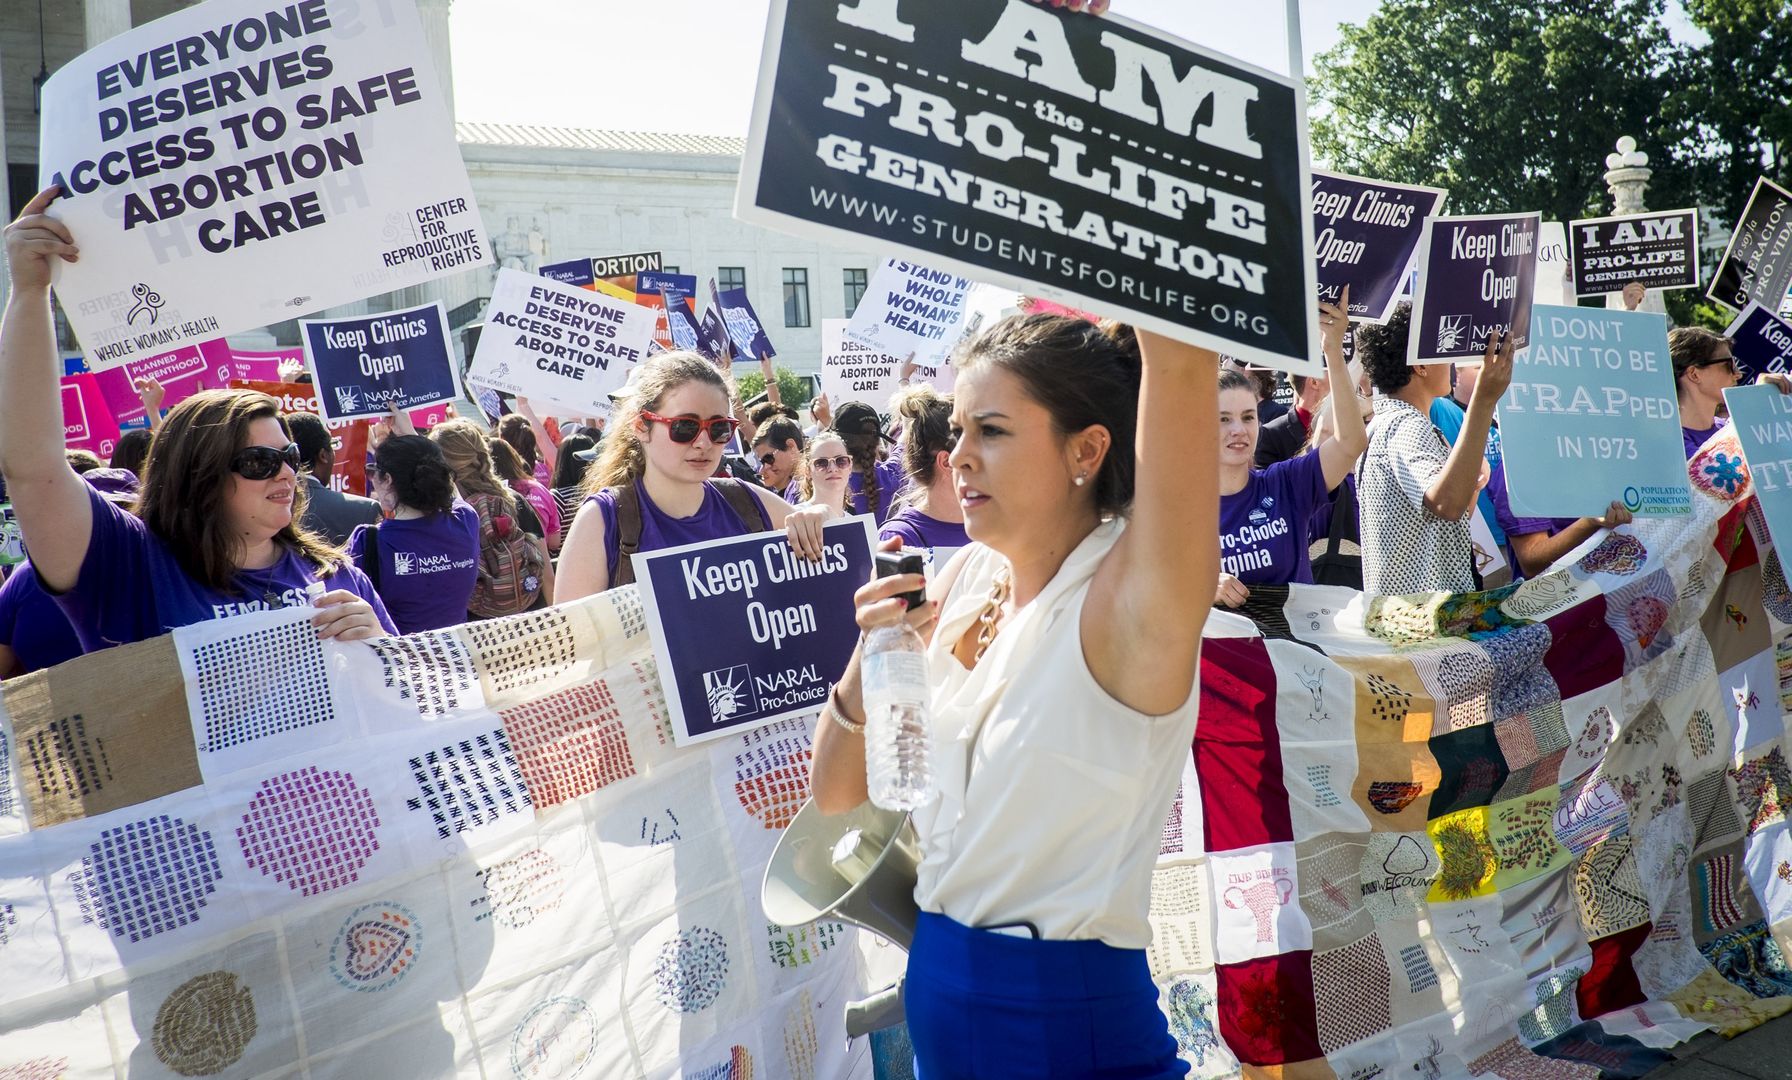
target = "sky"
x: 689, y: 66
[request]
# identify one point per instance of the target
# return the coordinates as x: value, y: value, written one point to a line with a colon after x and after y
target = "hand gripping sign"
x: 1093, y: 162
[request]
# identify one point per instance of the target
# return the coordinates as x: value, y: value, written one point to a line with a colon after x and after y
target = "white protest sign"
x: 911, y: 312
x: 851, y: 371
x: 240, y: 162
x: 559, y: 344
x: 1552, y: 286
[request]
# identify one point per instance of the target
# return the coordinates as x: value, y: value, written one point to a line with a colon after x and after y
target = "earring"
x: 1080, y: 479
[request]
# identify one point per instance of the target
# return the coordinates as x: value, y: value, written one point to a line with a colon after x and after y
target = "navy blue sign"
x: 1477, y: 278
x: 1364, y: 235
x: 1757, y: 265
x: 577, y: 272
x: 747, y: 632
x: 1761, y: 342
x: 370, y: 365
x: 712, y: 335
x: 654, y: 282
x: 744, y: 327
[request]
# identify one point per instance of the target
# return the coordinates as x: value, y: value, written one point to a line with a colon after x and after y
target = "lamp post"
x: 1627, y: 176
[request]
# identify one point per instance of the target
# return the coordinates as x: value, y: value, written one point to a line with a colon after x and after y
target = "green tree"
x: 793, y: 388
x: 1511, y: 106
x: 1735, y: 99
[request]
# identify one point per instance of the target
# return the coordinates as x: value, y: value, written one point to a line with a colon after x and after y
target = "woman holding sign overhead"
x: 215, y: 533
x: 1063, y: 651
x: 1264, y: 513
x: 652, y: 485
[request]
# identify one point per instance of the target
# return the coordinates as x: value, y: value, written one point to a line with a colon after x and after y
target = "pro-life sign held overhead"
x: 1094, y: 162
x: 1365, y: 234
x: 1659, y: 250
x: 242, y: 162
x: 748, y: 632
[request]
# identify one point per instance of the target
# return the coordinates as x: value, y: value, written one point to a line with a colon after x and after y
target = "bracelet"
x: 838, y: 713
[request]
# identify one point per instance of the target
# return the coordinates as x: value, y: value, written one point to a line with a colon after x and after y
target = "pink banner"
x: 87, y: 422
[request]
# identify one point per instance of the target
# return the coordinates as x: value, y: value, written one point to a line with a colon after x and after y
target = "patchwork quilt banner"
x: 1533, y: 832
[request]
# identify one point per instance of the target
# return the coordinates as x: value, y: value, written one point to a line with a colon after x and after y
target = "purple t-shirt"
x: 1263, y: 526
x: 32, y: 625
x: 428, y: 566
x: 131, y: 587
x: 890, y: 478
x: 1695, y: 438
x: 714, y: 520
x: 917, y: 530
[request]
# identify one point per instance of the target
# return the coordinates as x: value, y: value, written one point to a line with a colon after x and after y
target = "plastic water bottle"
x: 898, y: 731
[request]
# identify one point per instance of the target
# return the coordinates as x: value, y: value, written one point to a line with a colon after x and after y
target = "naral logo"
x: 1452, y: 331
x: 402, y: 562
x: 348, y: 399
x: 726, y: 689
x: 149, y: 304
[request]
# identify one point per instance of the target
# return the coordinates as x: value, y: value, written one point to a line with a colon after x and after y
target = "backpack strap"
x: 372, y: 547
x: 628, y: 532
x: 744, y: 503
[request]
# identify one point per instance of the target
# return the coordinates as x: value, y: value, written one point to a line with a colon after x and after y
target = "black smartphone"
x: 904, y: 561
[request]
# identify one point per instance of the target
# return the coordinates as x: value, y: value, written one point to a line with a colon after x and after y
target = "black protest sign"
x: 1659, y: 250
x: 1757, y: 264
x: 1093, y: 162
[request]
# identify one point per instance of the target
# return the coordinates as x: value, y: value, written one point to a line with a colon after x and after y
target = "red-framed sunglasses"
x: 684, y: 429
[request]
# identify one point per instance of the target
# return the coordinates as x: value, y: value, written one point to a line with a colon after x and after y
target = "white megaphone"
x: 858, y: 867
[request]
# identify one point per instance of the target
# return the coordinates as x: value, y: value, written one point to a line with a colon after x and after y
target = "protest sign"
x: 911, y: 311
x: 1757, y: 262
x: 746, y: 631
x: 1660, y: 250
x: 1762, y: 417
x: 623, y: 269
x: 1365, y: 235
x: 87, y: 422
x: 852, y: 370
x: 1761, y: 342
x: 576, y: 272
x: 558, y: 344
x: 348, y: 438
x: 654, y: 290
x: 1553, y: 284
x: 1591, y: 416
x: 1097, y: 163
x: 366, y: 365
x: 680, y: 326
x: 1477, y: 275
x: 744, y: 328
x: 237, y: 163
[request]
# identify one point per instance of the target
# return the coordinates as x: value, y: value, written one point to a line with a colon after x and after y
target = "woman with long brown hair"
x: 215, y: 533
x: 468, y: 451
x: 654, y: 477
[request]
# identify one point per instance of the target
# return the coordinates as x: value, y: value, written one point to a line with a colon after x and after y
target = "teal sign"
x: 1591, y: 417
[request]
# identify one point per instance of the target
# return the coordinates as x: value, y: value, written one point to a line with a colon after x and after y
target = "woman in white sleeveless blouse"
x: 1063, y: 646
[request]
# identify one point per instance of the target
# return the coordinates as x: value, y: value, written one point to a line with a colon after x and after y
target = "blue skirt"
x: 982, y: 1004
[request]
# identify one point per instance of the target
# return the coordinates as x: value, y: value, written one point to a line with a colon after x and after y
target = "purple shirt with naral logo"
x: 1264, y: 526
x: 428, y: 566
x: 131, y: 587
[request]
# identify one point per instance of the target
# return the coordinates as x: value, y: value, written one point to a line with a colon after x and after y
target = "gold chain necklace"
x: 991, y: 613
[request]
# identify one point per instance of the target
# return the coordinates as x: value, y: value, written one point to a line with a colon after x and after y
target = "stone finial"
x: 1627, y: 157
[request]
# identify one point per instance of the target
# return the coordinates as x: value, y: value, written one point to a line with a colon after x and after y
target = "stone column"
x: 106, y: 19
x: 1627, y: 177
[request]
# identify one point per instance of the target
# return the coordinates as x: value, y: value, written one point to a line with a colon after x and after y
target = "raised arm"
x: 542, y: 439
x: 151, y: 393
x: 1455, y: 487
x: 1349, y: 437
x: 1142, y: 622
x: 772, y: 393
x: 50, y: 500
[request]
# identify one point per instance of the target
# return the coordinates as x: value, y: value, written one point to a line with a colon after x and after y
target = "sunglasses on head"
x: 841, y: 462
x: 263, y: 462
x: 684, y: 429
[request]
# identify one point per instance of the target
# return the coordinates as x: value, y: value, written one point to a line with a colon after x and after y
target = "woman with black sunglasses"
x: 659, y: 458
x: 1704, y: 367
x: 216, y: 530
